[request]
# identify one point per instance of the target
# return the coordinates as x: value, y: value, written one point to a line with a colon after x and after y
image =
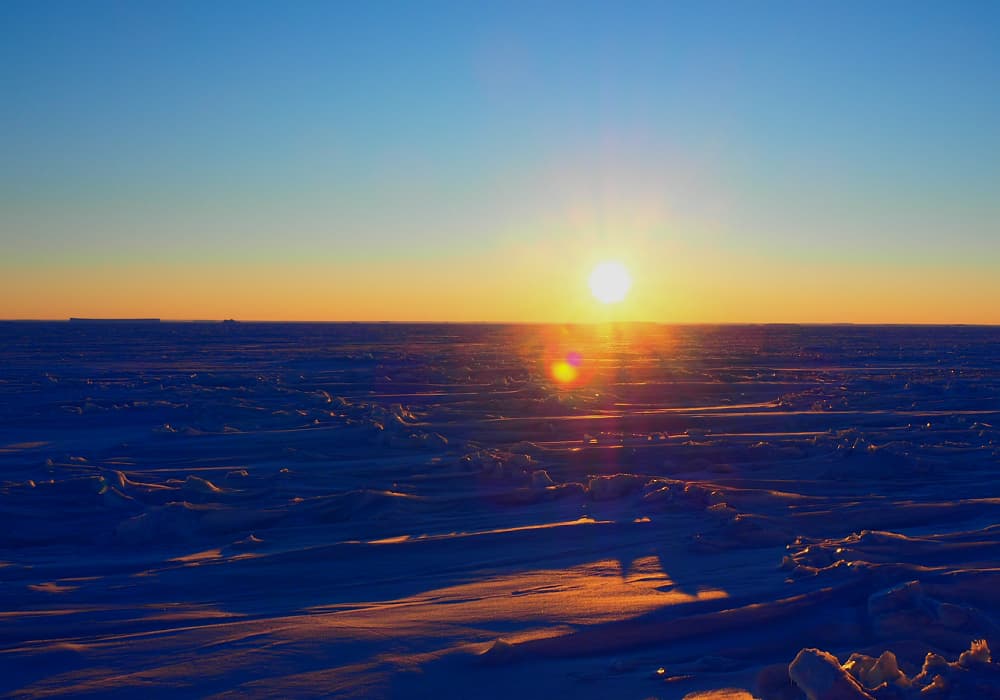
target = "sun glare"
x: 610, y: 282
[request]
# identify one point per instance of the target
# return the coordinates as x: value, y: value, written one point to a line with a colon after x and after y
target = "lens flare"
x: 564, y: 372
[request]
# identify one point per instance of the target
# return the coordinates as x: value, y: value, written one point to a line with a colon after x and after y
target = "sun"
x: 610, y: 282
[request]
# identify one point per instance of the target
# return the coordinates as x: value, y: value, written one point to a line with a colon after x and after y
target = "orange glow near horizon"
x: 683, y: 288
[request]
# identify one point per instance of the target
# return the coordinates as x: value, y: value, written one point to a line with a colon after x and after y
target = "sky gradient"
x: 749, y: 162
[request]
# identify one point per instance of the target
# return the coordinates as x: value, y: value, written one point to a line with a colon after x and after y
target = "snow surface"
x: 386, y: 510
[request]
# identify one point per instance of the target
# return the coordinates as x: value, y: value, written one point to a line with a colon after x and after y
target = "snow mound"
x: 540, y: 478
x: 195, y: 484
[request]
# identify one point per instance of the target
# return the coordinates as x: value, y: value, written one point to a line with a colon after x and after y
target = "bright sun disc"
x: 610, y: 282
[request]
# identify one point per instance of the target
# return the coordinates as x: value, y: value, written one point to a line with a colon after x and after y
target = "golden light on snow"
x: 610, y: 282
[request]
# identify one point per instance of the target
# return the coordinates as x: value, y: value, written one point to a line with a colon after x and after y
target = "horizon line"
x: 150, y: 319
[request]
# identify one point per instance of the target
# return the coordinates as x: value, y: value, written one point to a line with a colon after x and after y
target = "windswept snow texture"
x: 369, y: 511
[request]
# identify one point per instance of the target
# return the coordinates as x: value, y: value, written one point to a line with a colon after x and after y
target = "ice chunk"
x: 605, y: 488
x: 978, y: 653
x: 819, y: 675
x: 872, y: 673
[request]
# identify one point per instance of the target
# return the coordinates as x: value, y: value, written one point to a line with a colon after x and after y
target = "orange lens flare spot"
x: 564, y: 372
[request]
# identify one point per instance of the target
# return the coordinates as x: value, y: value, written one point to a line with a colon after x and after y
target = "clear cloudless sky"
x: 748, y: 161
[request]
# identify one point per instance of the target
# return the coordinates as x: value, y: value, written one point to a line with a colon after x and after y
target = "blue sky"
x: 423, y: 143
